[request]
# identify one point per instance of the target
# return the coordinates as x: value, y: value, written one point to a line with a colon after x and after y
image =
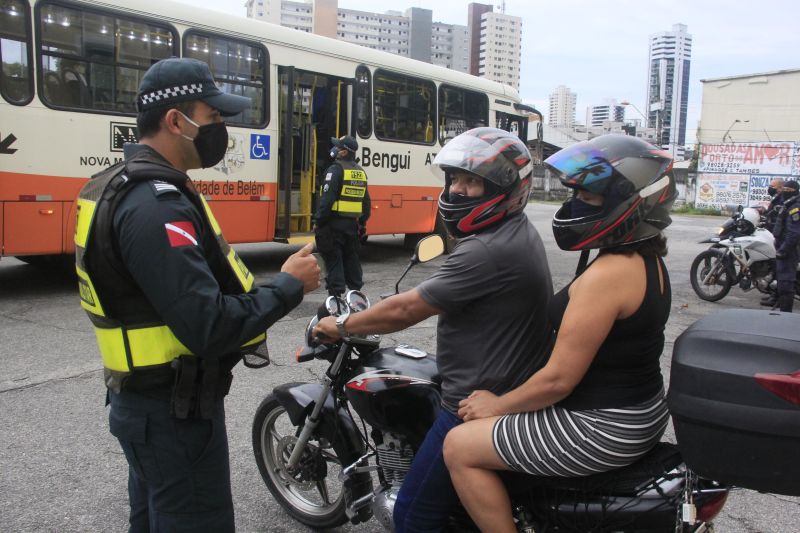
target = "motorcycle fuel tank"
x: 396, y: 389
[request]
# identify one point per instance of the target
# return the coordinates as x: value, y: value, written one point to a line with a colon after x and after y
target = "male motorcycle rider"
x: 491, y: 295
x: 787, y: 246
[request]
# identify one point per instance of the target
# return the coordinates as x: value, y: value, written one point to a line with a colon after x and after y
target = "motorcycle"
x: 741, y: 253
x: 325, y: 465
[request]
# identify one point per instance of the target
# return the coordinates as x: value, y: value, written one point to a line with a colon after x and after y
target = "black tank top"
x: 626, y: 370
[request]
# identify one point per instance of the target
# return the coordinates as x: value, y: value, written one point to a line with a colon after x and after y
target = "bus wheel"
x: 411, y: 239
x: 50, y: 262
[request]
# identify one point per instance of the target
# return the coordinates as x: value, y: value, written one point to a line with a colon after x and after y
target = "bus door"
x: 514, y: 123
x: 312, y: 109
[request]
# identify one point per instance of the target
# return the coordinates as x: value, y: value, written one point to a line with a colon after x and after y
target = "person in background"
x: 787, y: 246
x: 341, y: 218
x: 490, y: 294
x: 598, y: 403
x: 173, y: 306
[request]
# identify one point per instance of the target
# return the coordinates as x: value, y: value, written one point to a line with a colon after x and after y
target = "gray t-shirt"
x: 493, y: 290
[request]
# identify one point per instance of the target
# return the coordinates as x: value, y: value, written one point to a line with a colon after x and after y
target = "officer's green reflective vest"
x: 141, y: 340
x: 354, y: 186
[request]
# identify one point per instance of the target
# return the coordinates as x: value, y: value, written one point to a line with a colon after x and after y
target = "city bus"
x: 70, y: 73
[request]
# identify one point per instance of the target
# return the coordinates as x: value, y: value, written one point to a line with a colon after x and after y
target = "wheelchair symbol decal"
x: 259, y: 146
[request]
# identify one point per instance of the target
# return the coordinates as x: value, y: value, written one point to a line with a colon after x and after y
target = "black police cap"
x: 345, y: 142
x: 182, y: 79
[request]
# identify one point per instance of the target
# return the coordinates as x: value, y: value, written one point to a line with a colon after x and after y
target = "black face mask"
x: 772, y: 191
x: 456, y: 198
x: 211, y: 142
x: 580, y: 209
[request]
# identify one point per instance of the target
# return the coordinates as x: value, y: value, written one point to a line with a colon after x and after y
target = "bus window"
x: 15, y: 52
x: 460, y: 110
x: 363, y: 102
x: 238, y: 68
x: 405, y: 108
x: 95, y: 61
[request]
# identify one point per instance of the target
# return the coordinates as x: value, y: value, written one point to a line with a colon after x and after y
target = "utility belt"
x: 191, y: 384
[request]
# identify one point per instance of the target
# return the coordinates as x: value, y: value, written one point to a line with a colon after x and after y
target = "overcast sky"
x: 598, y: 48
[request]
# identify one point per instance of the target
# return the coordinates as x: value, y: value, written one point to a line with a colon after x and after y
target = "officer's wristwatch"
x: 340, y: 321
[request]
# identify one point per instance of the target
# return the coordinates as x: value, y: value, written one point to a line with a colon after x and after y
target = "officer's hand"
x: 304, y: 267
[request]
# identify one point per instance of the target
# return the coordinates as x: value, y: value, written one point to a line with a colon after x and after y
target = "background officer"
x: 173, y: 306
x: 775, y: 190
x: 341, y: 217
x: 787, y: 242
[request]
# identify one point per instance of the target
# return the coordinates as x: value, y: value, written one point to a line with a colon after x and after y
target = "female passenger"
x: 598, y: 404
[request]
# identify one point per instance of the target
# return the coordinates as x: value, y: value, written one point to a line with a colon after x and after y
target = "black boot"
x: 786, y: 302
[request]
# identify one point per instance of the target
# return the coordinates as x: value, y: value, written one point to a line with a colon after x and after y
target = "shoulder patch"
x: 794, y: 210
x: 160, y: 188
x: 328, y: 176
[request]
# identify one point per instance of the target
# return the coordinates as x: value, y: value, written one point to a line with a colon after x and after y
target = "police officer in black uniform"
x: 341, y: 216
x: 173, y: 306
x: 787, y: 245
x: 775, y: 190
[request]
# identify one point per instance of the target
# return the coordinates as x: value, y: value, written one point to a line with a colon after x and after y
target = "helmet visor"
x: 482, y: 156
x: 582, y: 167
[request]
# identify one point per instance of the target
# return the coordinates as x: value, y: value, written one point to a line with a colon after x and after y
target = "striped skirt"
x: 558, y: 442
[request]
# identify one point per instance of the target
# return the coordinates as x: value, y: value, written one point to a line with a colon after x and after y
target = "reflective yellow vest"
x: 143, y: 341
x: 354, y: 186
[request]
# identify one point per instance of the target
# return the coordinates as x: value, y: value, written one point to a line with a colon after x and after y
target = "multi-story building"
x: 450, y: 46
x: 668, y: 87
x: 608, y: 112
x: 495, y: 44
x: 495, y: 37
x: 562, y: 107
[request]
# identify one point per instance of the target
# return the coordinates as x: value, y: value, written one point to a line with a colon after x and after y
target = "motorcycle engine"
x: 394, y: 456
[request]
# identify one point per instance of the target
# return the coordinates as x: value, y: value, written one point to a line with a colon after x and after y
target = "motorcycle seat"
x: 628, y: 480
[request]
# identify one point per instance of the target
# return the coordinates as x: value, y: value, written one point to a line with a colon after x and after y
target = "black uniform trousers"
x: 178, y: 470
x: 786, y: 274
x: 342, y: 263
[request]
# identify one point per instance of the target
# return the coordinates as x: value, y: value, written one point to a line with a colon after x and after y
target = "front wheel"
x: 311, y: 491
x: 710, y: 277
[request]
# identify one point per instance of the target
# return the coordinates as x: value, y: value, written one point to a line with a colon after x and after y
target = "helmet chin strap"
x: 582, y: 262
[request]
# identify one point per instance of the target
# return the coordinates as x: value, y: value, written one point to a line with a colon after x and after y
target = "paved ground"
x: 60, y: 469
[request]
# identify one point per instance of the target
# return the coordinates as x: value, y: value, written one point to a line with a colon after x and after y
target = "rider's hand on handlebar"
x: 479, y: 404
x: 326, y: 330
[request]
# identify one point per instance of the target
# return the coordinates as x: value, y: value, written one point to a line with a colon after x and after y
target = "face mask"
x: 772, y: 191
x: 580, y: 209
x: 211, y: 141
x: 456, y: 198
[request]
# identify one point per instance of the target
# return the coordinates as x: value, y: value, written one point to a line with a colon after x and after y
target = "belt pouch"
x: 208, y: 388
x: 185, y: 375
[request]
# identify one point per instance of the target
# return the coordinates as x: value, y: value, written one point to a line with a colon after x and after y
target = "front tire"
x: 311, y: 493
x: 710, y: 264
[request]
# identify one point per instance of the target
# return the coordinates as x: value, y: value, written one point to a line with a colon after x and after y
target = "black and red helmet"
x: 504, y: 163
x: 638, y: 188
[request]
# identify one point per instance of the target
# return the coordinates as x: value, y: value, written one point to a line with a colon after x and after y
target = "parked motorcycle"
x: 326, y: 466
x: 741, y: 253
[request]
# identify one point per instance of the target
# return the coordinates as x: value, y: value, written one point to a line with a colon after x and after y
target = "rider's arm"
x: 612, y: 288
x: 393, y: 314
